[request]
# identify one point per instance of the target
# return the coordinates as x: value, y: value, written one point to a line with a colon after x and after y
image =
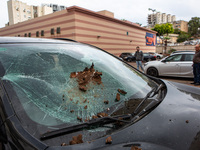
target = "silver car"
x: 176, y: 65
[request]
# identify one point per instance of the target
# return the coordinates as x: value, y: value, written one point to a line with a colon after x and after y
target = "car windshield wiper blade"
x: 142, y: 102
x: 152, y: 93
x: 149, y: 107
x: 158, y: 89
x: 93, y: 122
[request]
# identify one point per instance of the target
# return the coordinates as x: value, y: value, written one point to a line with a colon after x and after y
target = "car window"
x: 188, y: 57
x: 174, y: 58
x: 145, y: 54
x: 55, y: 84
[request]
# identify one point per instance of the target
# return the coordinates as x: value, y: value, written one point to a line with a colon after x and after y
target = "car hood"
x: 174, y: 124
x: 153, y: 62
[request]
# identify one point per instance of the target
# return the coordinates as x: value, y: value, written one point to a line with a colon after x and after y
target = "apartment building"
x: 181, y: 25
x: 169, y: 18
x: 160, y: 18
x: 100, y: 29
x: 19, y: 11
x: 173, y: 18
x: 164, y: 18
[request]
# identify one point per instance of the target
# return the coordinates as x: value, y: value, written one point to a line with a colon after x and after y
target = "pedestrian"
x: 139, y: 58
x: 196, y: 65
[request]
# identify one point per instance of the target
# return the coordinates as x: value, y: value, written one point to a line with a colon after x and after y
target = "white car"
x: 176, y: 65
x: 159, y: 56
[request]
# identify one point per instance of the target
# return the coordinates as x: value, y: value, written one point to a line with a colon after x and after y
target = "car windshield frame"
x: 11, y: 83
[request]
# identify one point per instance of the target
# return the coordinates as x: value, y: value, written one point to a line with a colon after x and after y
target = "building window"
x: 37, y: 34
x: 29, y: 34
x: 42, y: 32
x: 126, y: 33
x: 58, y: 30
x: 52, y: 31
x: 25, y: 35
x: 28, y: 11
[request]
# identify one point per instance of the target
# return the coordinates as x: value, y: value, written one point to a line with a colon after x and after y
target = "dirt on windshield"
x: 86, y: 76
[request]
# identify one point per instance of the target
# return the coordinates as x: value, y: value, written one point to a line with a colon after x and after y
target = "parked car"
x: 159, y: 56
x: 176, y: 65
x: 60, y: 95
x: 126, y: 56
x: 192, y: 42
x: 149, y: 57
x: 183, y: 51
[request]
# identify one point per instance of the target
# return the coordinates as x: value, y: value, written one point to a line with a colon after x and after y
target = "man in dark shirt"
x: 196, y: 66
x: 139, y: 57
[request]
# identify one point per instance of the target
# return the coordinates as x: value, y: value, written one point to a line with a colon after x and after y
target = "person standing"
x: 139, y: 58
x: 196, y: 65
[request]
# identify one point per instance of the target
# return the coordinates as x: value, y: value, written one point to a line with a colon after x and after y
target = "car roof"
x: 192, y: 52
x: 183, y: 51
x: 10, y: 40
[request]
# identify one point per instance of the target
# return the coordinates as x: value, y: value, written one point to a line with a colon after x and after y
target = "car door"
x: 186, y: 69
x: 171, y: 66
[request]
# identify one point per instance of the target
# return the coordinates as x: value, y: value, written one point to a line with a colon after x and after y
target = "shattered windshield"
x: 71, y: 83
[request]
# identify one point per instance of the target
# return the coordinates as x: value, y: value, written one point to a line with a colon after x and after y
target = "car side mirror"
x: 164, y: 61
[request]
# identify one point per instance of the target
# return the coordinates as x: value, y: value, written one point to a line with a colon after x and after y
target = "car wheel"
x: 129, y: 59
x: 152, y: 72
x: 158, y: 57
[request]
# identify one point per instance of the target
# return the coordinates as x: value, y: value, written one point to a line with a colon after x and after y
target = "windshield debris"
x: 118, y: 97
x: 86, y: 76
x: 76, y: 140
x: 109, y: 140
x: 122, y: 91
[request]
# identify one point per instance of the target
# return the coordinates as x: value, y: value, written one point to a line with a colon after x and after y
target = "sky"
x: 132, y: 10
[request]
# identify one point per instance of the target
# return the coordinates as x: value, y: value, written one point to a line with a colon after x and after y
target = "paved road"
x: 174, y: 79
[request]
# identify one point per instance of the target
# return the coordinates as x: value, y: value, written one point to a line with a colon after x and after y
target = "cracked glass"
x: 42, y: 77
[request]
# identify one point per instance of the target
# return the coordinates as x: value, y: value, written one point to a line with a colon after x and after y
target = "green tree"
x: 162, y: 30
x: 183, y: 36
x: 177, y: 31
x: 194, y: 27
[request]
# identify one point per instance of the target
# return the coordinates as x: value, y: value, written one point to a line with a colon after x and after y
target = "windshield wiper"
x: 149, y: 107
x: 93, y: 122
x: 152, y: 93
x: 106, y: 120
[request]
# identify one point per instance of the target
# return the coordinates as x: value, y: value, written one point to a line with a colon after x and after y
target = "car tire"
x: 129, y: 59
x: 158, y: 57
x: 152, y: 72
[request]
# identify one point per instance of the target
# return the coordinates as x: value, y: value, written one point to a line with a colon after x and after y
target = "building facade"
x: 164, y: 18
x: 160, y: 18
x: 19, y: 11
x: 181, y: 25
x: 100, y: 29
